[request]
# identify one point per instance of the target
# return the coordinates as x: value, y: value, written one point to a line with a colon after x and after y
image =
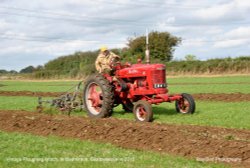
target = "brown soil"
x: 226, y: 97
x: 30, y: 94
x: 214, y: 83
x: 229, y: 97
x: 189, y: 141
x: 206, y: 75
x: 61, y: 85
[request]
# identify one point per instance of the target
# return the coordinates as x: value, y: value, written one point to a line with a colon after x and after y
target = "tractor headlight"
x: 162, y: 85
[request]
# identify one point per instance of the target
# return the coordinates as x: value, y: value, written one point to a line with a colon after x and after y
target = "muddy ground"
x: 188, y: 141
x: 214, y: 83
x: 225, y: 97
x: 30, y: 93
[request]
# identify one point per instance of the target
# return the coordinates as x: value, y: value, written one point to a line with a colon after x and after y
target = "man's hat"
x: 103, y: 48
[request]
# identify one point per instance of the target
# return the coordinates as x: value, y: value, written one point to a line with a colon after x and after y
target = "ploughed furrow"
x: 30, y: 93
x: 225, y: 97
x: 184, y: 140
x: 210, y: 83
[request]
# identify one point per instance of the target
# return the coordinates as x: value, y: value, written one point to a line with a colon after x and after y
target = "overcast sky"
x: 34, y: 32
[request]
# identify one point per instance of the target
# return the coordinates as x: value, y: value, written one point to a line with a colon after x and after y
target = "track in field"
x: 213, y: 83
x: 225, y: 97
x: 30, y: 93
x: 183, y: 140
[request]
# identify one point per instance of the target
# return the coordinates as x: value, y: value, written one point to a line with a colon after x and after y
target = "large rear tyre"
x: 186, y: 105
x: 98, y: 97
x: 143, y: 111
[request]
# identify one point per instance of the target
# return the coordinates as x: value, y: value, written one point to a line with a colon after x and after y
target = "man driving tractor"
x: 105, y: 59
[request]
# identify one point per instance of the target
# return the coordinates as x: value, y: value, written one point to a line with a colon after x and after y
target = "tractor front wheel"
x: 143, y: 111
x: 98, y: 97
x: 185, y: 105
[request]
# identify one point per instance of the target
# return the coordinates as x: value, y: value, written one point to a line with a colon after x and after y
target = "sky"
x: 34, y: 32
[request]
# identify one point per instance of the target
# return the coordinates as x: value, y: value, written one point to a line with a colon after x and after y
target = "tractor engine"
x: 143, y: 80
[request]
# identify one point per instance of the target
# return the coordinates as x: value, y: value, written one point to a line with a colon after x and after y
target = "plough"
x: 65, y: 103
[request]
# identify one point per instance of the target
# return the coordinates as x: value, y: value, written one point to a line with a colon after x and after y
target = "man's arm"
x: 98, y: 64
x: 113, y: 55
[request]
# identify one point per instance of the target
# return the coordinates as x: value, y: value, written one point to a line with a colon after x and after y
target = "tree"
x: 190, y: 57
x: 28, y: 69
x: 13, y: 72
x: 39, y: 68
x: 3, y: 71
x: 161, y: 45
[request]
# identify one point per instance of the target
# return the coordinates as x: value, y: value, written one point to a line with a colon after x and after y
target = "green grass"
x: 230, y: 115
x: 211, y: 84
x: 213, y: 88
x: 21, y: 146
x: 220, y: 79
x: 18, y: 103
x: 61, y: 86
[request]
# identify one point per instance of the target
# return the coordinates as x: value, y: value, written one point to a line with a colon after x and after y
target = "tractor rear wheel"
x: 98, y: 97
x: 143, y: 111
x: 186, y: 105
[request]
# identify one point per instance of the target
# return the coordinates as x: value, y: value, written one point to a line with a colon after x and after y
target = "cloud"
x: 231, y: 43
x: 195, y: 42
x: 167, y: 25
x: 3, y: 23
x: 213, y: 30
x: 229, y: 10
x: 242, y: 4
x: 169, y: 28
x: 240, y: 32
x: 215, y: 12
x: 233, y: 38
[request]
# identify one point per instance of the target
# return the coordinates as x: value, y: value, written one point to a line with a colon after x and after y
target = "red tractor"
x: 136, y: 87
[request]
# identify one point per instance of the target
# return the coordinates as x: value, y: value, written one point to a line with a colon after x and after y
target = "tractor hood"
x: 137, y: 70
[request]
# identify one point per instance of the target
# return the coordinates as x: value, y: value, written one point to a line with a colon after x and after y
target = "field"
x: 218, y: 129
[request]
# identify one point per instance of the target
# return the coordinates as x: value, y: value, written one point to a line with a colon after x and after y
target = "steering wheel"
x: 114, y: 62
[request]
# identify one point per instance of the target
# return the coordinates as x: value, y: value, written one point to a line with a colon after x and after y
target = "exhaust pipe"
x: 147, y: 53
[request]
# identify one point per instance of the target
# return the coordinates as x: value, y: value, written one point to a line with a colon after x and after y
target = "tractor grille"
x: 159, y: 78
